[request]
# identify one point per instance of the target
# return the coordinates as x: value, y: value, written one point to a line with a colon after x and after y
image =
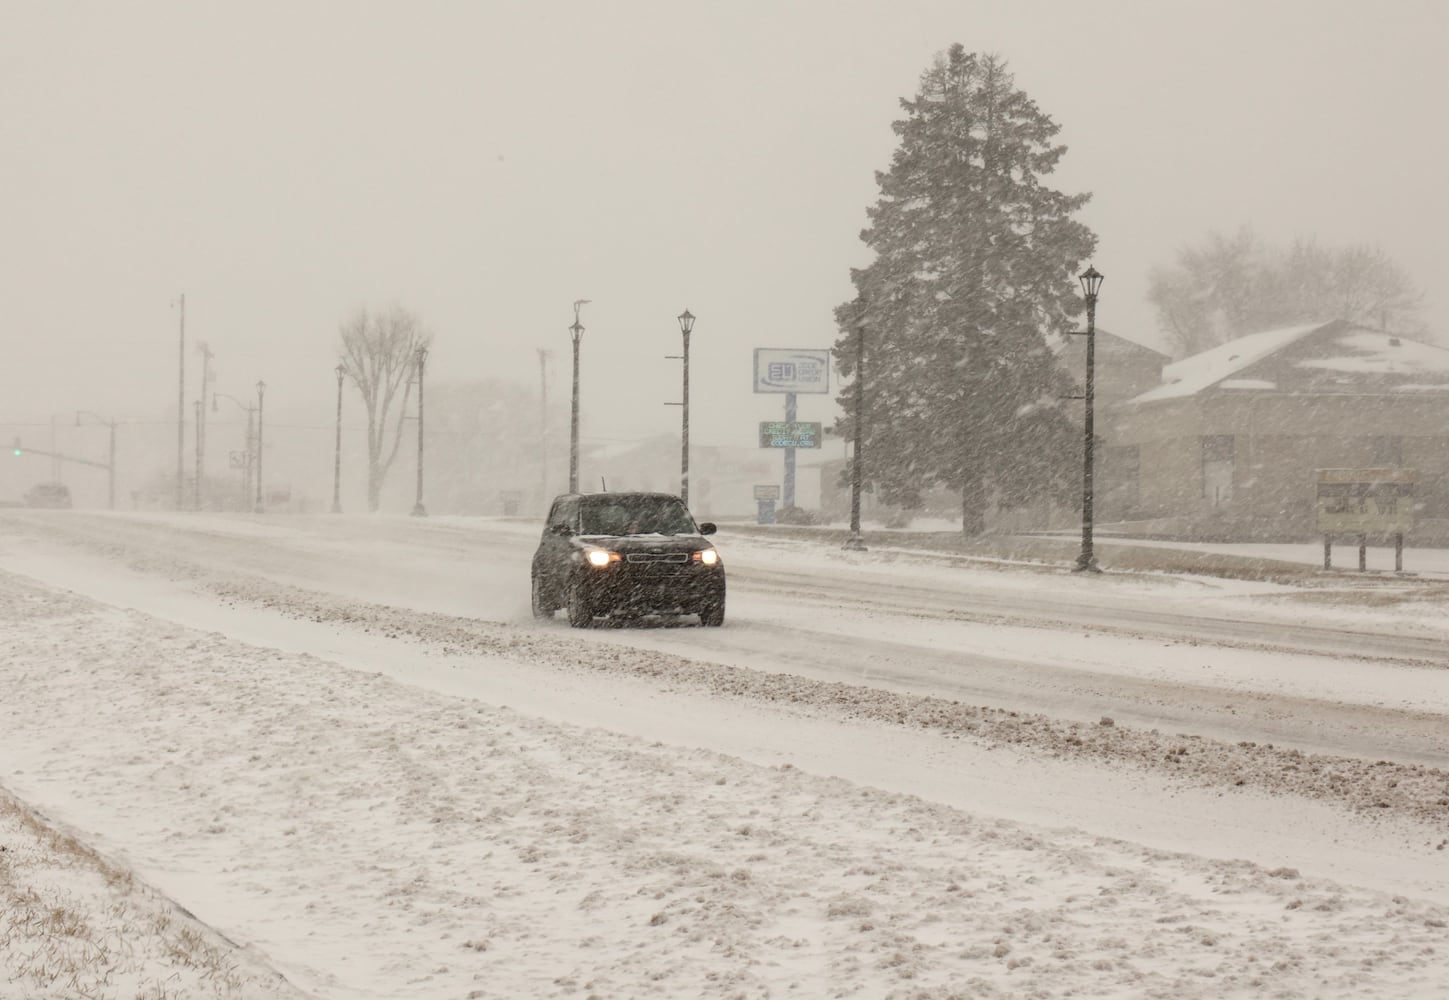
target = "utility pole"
x: 855, y: 542
x: 181, y: 409
x: 111, y: 470
x: 543, y: 354
x: 253, y: 456
x: 422, y: 359
x: 196, y: 494
x: 577, y: 332
x: 261, y: 389
x: 341, y: 371
x: 205, y: 351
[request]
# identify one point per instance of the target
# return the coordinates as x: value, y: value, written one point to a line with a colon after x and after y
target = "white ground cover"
x: 373, y: 802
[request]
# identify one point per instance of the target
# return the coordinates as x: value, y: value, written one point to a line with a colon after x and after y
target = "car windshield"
x: 640, y: 515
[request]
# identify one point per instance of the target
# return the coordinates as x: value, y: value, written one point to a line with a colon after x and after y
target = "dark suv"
x: 626, y: 555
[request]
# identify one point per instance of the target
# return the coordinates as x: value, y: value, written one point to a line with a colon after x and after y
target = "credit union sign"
x: 792, y: 370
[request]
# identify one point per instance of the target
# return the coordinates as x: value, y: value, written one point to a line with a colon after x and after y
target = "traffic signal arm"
x: 20, y: 450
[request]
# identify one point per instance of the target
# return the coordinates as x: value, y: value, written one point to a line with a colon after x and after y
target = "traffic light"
x: 18, y: 450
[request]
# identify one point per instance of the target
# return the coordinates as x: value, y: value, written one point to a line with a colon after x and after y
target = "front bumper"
x: 620, y: 590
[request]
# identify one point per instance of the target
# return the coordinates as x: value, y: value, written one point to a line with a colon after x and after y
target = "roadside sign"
x: 1365, y: 501
x: 767, y: 491
x: 795, y: 370
x: 789, y: 434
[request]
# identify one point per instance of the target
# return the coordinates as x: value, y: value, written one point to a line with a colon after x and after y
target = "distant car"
x: 48, y: 495
x: 626, y: 555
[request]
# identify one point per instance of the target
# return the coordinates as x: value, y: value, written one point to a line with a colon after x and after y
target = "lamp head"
x: 1091, y: 281
x: 686, y: 322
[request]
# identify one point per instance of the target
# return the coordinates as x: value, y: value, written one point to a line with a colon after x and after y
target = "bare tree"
x: 380, y: 352
x: 1226, y: 286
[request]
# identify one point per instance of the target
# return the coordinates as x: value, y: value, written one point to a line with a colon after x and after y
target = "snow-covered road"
x: 295, y: 727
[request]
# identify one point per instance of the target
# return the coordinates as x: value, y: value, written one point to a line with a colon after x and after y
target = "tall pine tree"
x: 973, y: 280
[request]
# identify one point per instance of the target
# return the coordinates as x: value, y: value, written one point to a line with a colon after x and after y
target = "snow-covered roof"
x: 1345, y: 351
x: 1194, y: 374
x: 1383, y: 354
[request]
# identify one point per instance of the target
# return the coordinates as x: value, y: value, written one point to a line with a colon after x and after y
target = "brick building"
x: 1227, y: 445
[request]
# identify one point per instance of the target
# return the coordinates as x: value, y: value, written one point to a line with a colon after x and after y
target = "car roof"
x: 618, y: 493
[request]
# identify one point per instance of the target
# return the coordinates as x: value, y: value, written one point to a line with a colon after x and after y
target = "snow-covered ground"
x: 336, y: 757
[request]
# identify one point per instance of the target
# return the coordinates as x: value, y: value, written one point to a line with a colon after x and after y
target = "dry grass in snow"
x: 75, y: 925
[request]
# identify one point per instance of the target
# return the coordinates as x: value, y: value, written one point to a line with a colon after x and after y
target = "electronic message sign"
x: 789, y: 434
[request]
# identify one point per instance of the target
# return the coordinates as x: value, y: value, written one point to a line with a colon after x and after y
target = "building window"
x: 1217, y: 468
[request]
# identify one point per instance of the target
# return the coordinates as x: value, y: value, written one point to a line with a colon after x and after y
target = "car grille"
x: 658, y: 557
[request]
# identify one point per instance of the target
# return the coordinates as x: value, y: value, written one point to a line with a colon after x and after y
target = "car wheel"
x: 542, y: 608
x: 712, y: 614
x: 581, y: 612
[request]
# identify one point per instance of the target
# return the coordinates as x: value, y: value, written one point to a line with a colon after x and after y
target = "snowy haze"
x: 487, y: 164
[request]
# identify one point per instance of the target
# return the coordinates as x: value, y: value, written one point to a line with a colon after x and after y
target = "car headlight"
x: 708, y: 557
x: 601, y: 557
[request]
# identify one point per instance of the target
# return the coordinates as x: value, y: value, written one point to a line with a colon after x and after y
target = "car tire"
x: 712, y: 614
x: 581, y: 612
x: 541, y: 606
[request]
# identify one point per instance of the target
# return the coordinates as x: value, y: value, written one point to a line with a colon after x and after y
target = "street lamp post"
x: 1086, y: 560
x: 261, y: 389
x: 341, y: 370
x: 200, y: 443
x: 855, y: 542
x: 422, y: 359
x: 181, y: 408
x: 577, y: 332
x: 206, y: 377
x: 686, y: 324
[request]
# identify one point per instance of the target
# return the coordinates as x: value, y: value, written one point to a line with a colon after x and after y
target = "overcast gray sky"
x: 486, y: 163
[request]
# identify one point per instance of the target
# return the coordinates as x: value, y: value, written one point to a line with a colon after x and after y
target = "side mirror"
x: 707, y: 527
x: 562, y: 530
